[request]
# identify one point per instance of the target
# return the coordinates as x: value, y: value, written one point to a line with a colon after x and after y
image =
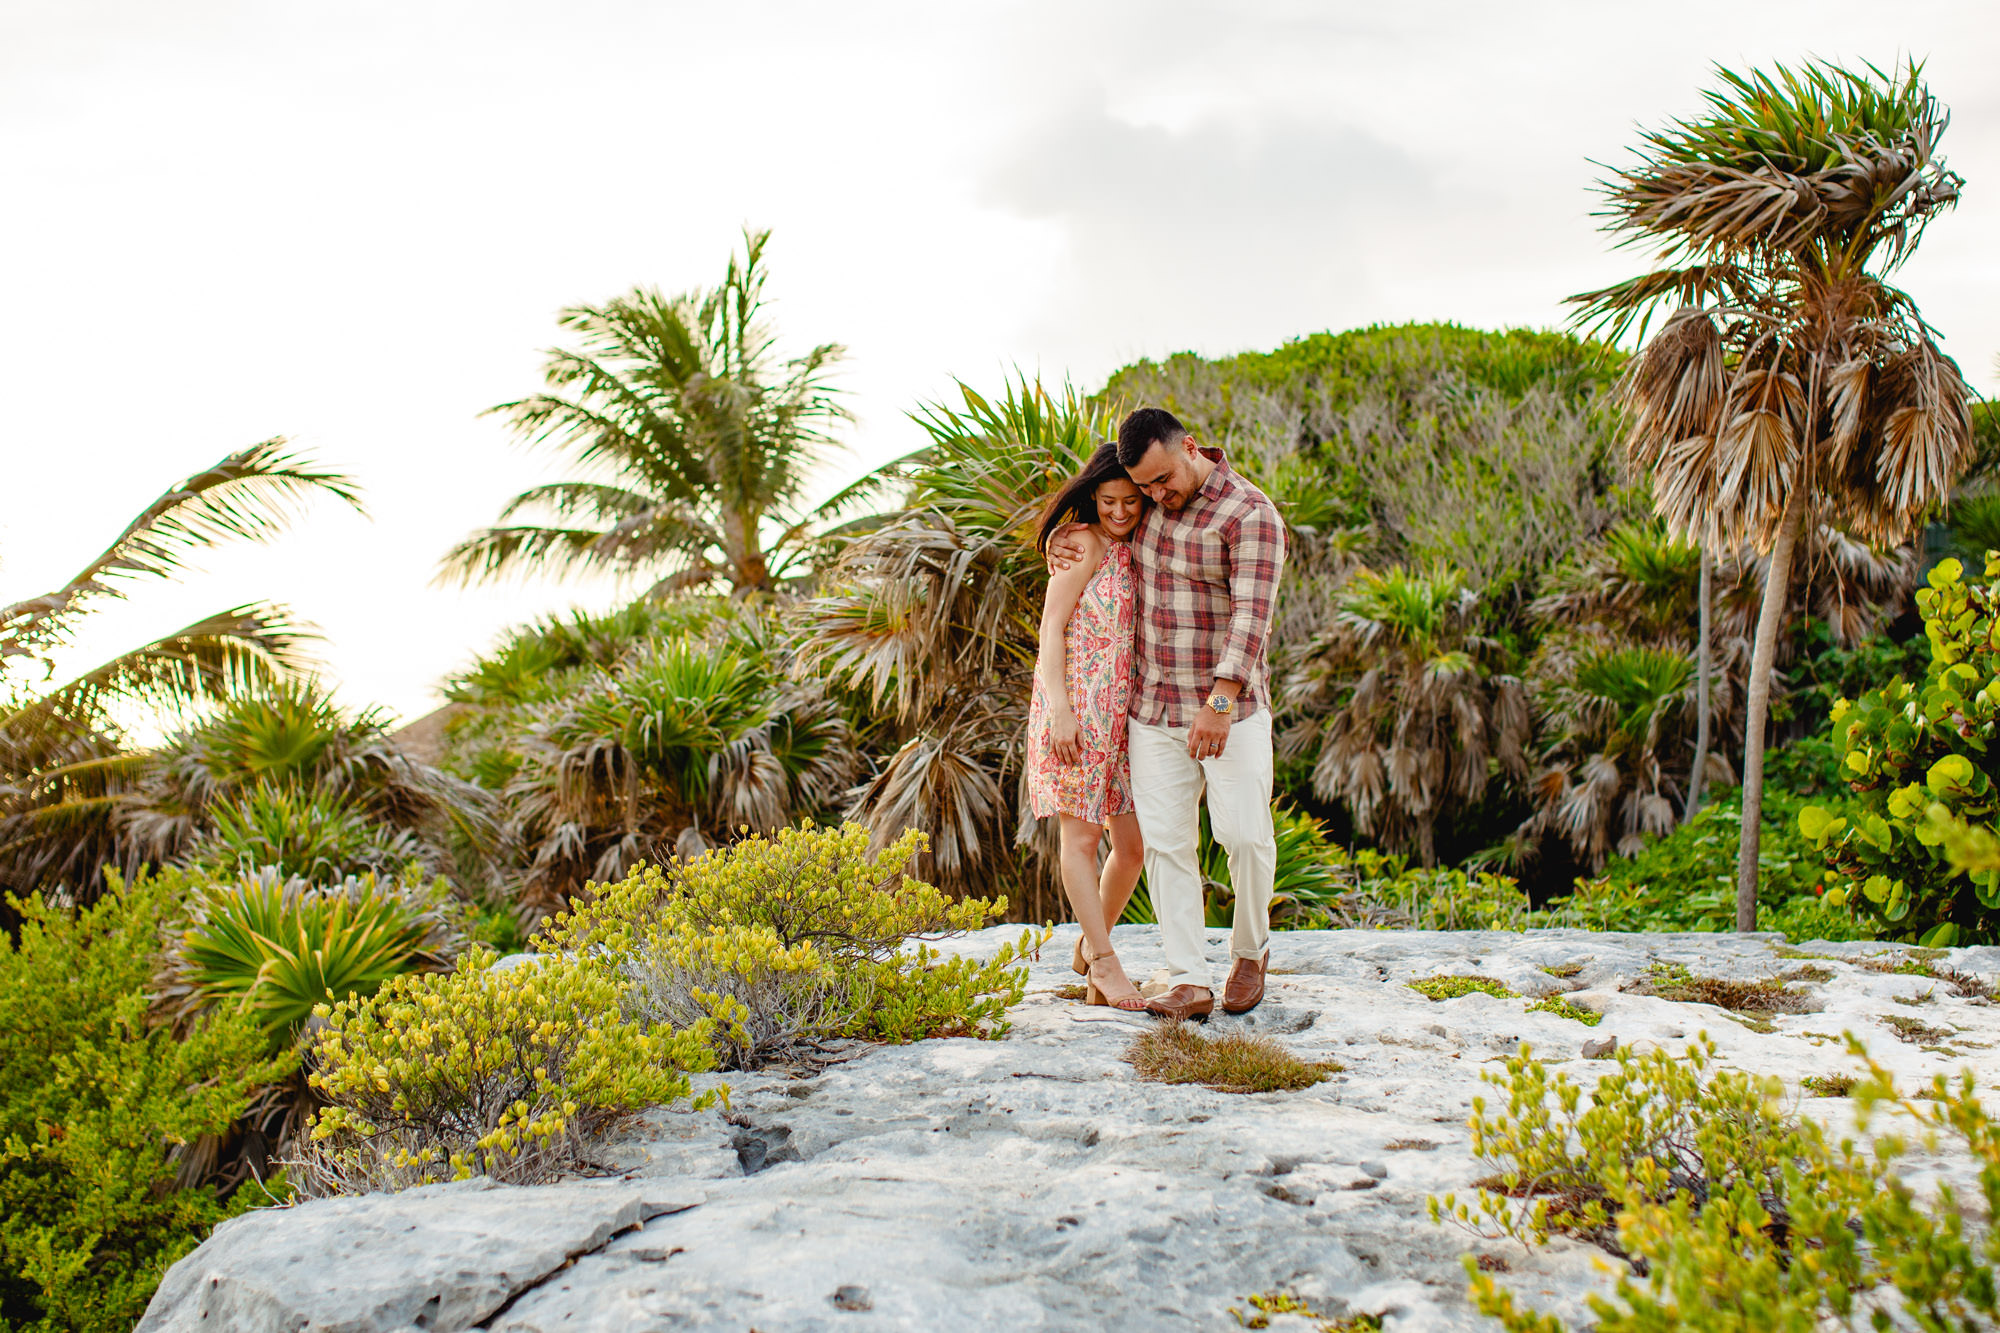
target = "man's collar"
x: 1219, y: 475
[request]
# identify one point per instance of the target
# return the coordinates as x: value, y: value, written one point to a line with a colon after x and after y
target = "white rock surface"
x: 1036, y: 1183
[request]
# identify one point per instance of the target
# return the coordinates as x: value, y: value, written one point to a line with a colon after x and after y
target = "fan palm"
x: 62, y: 761
x: 691, y: 433
x: 1617, y: 713
x: 1401, y: 707
x: 932, y: 618
x: 1790, y: 379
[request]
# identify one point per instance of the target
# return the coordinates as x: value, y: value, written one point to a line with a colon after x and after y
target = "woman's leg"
x: 1121, y: 869
x: 1080, y: 839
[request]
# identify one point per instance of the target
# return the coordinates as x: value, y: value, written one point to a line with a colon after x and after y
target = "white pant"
x: 1167, y: 788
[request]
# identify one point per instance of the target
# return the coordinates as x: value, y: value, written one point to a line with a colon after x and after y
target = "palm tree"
x: 62, y: 760
x: 690, y: 432
x: 1401, y: 705
x: 1617, y: 713
x: 1790, y: 381
x: 931, y: 619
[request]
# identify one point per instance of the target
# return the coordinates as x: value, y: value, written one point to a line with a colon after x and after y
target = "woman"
x: 1077, y: 767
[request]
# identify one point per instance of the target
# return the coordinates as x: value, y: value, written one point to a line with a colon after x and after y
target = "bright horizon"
x: 355, y: 228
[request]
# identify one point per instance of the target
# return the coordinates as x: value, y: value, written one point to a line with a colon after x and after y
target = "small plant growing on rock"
x: 1829, y: 1085
x: 1563, y: 1008
x: 1264, y: 1304
x: 1450, y: 988
x: 1673, y: 981
x: 1659, y: 1127
x: 1915, y: 1030
x: 1563, y: 971
x: 785, y: 942
x: 476, y: 1071
x: 1178, y: 1053
x: 1803, y: 1235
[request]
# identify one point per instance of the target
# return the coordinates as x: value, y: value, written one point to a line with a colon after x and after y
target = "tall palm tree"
x: 1790, y: 381
x: 931, y: 617
x: 1400, y: 703
x: 62, y: 761
x: 690, y: 434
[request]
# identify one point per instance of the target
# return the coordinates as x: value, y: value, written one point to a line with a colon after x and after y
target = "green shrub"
x: 1562, y: 1008
x: 1686, y: 880
x: 441, y: 1076
x: 276, y: 949
x: 789, y: 940
x: 1917, y: 757
x: 1737, y: 1217
x: 97, y: 1105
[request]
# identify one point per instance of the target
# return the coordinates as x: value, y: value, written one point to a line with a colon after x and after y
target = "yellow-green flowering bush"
x: 476, y: 1071
x: 788, y: 940
x: 1766, y: 1227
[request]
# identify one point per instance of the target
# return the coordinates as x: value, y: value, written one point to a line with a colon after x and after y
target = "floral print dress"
x: 1099, y: 640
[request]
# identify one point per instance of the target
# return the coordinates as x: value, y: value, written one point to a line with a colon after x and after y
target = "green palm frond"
x: 250, y: 495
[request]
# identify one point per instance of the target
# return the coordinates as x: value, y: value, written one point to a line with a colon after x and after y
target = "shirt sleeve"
x: 1256, y: 558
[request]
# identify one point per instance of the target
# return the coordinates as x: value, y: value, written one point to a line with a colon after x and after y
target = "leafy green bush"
x: 1736, y: 1216
x: 275, y: 949
x: 97, y: 1105
x: 1687, y: 879
x: 441, y: 1076
x: 1909, y: 749
x: 788, y: 940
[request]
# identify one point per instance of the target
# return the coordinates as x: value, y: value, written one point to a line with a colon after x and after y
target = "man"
x: 1207, y: 560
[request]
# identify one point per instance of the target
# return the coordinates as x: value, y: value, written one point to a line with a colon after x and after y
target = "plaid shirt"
x: 1207, y: 582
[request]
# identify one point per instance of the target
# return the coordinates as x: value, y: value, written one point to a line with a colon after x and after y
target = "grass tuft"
x: 1450, y: 988
x: 1829, y: 1085
x: 1811, y: 972
x: 1264, y: 1304
x: 1564, y: 971
x: 1562, y: 1008
x: 1410, y: 1145
x: 1672, y: 981
x: 1178, y: 1053
x: 1915, y: 1030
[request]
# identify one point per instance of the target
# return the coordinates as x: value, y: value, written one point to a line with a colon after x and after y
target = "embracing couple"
x: 1152, y: 687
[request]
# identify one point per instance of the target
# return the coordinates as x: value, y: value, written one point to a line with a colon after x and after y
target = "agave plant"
x: 1400, y: 706
x: 276, y: 947
x: 690, y: 434
x: 1619, y: 718
x: 931, y: 619
x: 1790, y: 384
x: 63, y: 760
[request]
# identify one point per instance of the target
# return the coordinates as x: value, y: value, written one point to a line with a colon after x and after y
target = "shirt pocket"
x: 1204, y: 558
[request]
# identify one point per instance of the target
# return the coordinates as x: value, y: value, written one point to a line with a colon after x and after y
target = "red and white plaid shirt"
x: 1207, y: 584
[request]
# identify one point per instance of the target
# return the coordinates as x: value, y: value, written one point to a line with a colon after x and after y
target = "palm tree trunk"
x: 1777, y: 592
x: 1698, y: 776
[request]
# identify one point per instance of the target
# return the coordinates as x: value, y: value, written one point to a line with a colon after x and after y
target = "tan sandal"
x: 1077, y: 963
x: 1130, y: 1002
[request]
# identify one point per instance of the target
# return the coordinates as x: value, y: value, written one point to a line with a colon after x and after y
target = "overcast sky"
x: 353, y: 223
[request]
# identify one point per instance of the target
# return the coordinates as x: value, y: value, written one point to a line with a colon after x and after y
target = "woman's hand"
x: 1065, y: 739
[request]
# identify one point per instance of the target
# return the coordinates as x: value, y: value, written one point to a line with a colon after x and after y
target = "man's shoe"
x: 1245, y: 987
x: 1182, y: 1004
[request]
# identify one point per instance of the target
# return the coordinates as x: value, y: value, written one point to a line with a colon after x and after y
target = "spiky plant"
x: 681, y: 744
x: 63, y: 762
x: 1617, y: 716
x: 931, y: 618
x: 1401, y: 707
x: 691, y: 436
x: 1789, y: 383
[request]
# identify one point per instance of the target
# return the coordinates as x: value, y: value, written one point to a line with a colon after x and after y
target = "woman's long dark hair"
x: 1076, y: 502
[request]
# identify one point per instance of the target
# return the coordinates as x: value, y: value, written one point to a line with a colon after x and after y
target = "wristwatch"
x: 1221, y: 703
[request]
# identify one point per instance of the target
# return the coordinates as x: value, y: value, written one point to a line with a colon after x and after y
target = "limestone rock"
x: 1034, y: 1183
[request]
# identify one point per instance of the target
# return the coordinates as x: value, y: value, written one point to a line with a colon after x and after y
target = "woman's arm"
x: 1052, y: 663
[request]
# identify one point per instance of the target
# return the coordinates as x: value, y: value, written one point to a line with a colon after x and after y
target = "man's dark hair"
x: 1143, y: 429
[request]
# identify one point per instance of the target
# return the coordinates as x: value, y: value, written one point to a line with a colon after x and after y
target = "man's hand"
x: 1064, y: 739
x: 1208, y: 734
x: 1065, y: 547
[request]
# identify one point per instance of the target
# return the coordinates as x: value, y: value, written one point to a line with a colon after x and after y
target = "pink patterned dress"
x: 1099, y: 640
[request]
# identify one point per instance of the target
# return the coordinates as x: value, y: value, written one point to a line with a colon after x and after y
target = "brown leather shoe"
x: 1245, y: 987
x: 1182, y: 1004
